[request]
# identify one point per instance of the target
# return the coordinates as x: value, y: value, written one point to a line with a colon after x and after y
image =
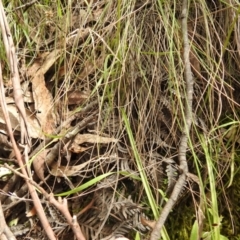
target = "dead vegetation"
x: 103, y: 91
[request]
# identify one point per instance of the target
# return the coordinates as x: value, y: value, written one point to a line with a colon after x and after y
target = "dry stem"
x: 156, y: 233
x: 4, y: 229
x: 9, y: 46
x: 61, y: 206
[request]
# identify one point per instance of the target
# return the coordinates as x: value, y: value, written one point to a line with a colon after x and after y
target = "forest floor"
x: 96, y: 129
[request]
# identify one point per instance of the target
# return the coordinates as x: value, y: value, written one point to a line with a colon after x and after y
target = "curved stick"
x: 156, y: 233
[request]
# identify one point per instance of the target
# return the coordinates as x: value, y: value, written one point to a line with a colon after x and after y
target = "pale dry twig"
x: 7, y: 37
x: 156, y: 233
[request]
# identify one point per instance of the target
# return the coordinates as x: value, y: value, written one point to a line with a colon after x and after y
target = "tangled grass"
x: 127, y: 55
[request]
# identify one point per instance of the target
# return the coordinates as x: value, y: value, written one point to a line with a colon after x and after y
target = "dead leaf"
x: 61, y: 171
x: 50, y: 60
x: 88, y: 138
x: 76, y: 97
x: 43, y: 102
x: 9, y: 100
x: 77, y: 149
x: 33, y: 125
x: 92, y: 138
x: 32, y: 212
x: 194, y: 178
x: 39, y: 164
x: 43, y: 63
x: 148, y: 223
x: 27, y: 94
x: 43, y: 99
x: 36, y: 65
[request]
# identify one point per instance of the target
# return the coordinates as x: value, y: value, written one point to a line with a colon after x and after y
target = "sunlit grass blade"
x: 85, y: 185
x: 212, y: 181
x: 142, y: 173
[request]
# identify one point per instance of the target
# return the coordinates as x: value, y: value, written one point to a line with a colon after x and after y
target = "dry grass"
x: 128, y: 57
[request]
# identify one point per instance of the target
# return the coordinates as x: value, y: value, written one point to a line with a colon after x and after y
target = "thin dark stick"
x: 26, y: 5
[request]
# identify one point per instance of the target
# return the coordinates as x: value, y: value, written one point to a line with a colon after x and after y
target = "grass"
x: 130, y: 60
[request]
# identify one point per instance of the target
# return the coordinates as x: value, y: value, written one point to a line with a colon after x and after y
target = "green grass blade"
x: 212, y: 182
x: 141, y: 170
x: 85, y: 185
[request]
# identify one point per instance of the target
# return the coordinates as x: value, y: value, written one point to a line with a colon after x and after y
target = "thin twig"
x: 4, y: 227
x: 26, y: 5
x: 156, y: 233
x: 8, y: 42
x: 27, y: 179
x: 12, y: 59
x: 32, y: 190
x: 61, y: 206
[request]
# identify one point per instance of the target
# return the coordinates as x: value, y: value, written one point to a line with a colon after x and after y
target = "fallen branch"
x: 183, y: 167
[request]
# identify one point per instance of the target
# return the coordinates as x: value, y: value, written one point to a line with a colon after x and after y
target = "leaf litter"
x: 77, y: 63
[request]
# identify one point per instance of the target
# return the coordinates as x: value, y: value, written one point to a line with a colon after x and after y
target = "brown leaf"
x: 32, y: 212
x: 43, y: 103
x: 194, y: 178
x: 61, y: 171
x: 148, y: 223
x: 76, y: 97
x: 39, y: 164
x: 43, y: 99
x: 92, y: 138
x: 50, y: 60
x: 43, y: 63
x: 77, y: 149
x: 33, y: 125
